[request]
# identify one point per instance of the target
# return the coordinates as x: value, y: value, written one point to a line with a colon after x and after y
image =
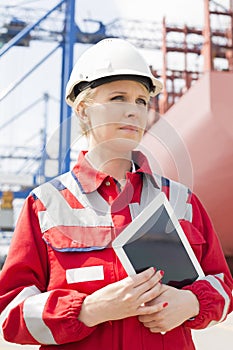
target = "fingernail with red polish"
x: 155, y: 269
x: 165, y: 304
x: 161, y: 273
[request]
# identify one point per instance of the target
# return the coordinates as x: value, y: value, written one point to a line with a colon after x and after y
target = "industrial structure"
x: 199, y: 148
x: 177, y: 104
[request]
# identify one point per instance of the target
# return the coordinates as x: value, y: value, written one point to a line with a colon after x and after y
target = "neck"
x: 109, y: 162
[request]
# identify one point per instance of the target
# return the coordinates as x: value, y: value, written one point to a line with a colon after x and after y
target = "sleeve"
x: 214, y: 291
x: 29, y: 313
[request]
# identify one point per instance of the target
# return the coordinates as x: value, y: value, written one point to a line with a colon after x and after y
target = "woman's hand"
x: 181, y: 305
x: 123, y: 299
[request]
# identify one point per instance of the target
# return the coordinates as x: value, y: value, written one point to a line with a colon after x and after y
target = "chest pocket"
x: 79, y: 267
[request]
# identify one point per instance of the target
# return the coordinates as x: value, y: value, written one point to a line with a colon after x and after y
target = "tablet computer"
x: 156, y: 238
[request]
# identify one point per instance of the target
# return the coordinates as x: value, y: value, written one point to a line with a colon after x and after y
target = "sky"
x: 26, y: 130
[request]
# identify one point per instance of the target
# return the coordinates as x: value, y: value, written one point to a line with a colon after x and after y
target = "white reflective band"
x: 158, y: 180
x: 96, y: 211
x: 77, y: 217
x: 189, y: 212
x: 218, y: 287
x: 178, y: 196
x: 84, y: 274
x: 149, y: 192
x: 91, y: 200
x: 24, y: 294
x: 220, y: 276
x: 59, y: 213
x: 33, y: 315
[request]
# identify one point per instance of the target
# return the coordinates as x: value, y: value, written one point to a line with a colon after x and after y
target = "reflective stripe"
x: 25, y: 293
x: 189, y: 212
x: 92, y: 200
x: 220, y: 276
x: 59, y: 213
x: 33, y: 315
x: 219, y: 288
x: 149, y: 192
x: 76, y: 217
x: 178, y: 196
x: 96, y: 211
x: 158, y: 180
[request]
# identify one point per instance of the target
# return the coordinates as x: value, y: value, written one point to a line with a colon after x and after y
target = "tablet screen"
x: 157, y: 243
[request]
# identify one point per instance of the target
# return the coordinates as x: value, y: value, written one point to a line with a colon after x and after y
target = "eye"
x: 118, y: 98
x: 142, y: 101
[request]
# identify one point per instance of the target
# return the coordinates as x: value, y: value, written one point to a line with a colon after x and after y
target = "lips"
x: 129, y: 128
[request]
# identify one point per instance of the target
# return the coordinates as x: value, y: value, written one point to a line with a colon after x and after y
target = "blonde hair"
x: 87, y: 97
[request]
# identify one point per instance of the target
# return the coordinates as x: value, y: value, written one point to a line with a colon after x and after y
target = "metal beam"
x: 67, y: 64
x: 23, y: 33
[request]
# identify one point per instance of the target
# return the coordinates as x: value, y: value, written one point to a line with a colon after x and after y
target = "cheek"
x: 100, y: 123
x: 143, y: 123
x: 97, y: 118
x: 102, y: 131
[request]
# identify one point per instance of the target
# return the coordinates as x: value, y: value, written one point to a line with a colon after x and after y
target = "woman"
x: 62, y: 283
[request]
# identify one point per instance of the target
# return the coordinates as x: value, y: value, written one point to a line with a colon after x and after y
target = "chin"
x: 123, y: 144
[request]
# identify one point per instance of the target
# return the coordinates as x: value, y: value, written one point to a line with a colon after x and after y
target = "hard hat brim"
x: 153, y: 85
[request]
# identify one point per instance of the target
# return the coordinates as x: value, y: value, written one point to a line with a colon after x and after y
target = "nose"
x: 132, y: 111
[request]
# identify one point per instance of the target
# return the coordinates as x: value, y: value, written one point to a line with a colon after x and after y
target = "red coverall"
x: 54, y: 262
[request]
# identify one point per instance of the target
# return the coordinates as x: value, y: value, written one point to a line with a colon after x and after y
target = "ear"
x: 81, y: 110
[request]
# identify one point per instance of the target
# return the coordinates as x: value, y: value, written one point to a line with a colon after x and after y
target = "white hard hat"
x: 110, y: 59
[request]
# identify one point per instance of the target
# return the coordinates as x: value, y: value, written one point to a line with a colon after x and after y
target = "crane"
x: 58, y: 26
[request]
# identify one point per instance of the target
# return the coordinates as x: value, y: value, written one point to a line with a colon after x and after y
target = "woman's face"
x: 118, y: 115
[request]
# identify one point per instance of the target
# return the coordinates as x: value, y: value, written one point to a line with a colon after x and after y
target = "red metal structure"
x: 193, y: 140
x: 210, y: 43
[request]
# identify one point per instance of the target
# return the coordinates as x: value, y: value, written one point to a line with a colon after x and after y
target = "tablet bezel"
x: 135, y: 225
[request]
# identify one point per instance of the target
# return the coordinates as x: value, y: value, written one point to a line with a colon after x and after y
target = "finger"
x: 148, y: 297
x: 146, y: 313
x: 148, y: 287
x: 155, y: 327
x: 151, y: 324
x: 142, y: 277
x: 157, y: 330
